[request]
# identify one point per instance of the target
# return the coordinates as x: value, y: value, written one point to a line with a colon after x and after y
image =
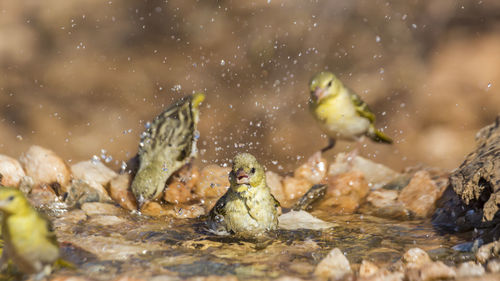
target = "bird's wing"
x: 361, y: 107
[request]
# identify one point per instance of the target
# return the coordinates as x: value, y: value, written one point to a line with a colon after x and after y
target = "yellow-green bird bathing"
x: 29, y: 241
x: 166, y: 145
x: 341, y: 113
x: 248, y: 206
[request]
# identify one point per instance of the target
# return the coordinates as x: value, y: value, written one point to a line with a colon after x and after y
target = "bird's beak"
x: 241, y: 177
x: 319, y: 93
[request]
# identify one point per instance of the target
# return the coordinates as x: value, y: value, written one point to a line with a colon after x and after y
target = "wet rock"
x: 345, y: 193
x: 493, y: 265
x: 11, y: 171
x: 119, y: 190
x: 415, y: 258
x: 45, y: 167
x: 315, y: 193
x: 211, y: 278
x: 488, y: 251
x: 274, y: 182
x: 420, y: 195
x: 470, y: 269
x: 302, y: 220
x: 97, y: 208
x: 367, y: 269
x: 384, y: 275
x: 213, y: 182
x: 181, y: 184
x: 81, y: 192
x: 69, y: 278
x: 431, y: 271
x: 314, y: 170
x: 333, y: 267
x: 289, y: 278
x: 180, y: 211
x: 95, y: 173
x: 294, y: 189
x: 41, y: 195
x: 153, y: 209
x: 106, y: 220
x: 383, y: 203
x: 377, y: 175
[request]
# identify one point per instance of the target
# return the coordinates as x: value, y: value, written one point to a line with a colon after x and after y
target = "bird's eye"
x: 252, y: 171
x: 329, y: 83
x: 10, y: 198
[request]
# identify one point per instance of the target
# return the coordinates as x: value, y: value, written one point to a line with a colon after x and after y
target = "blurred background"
x: 83, y: 77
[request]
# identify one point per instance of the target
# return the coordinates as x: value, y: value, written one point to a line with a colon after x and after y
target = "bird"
x: 167, y: 144
x: 29, y: 241
x: 340, y: 112
x: 248, y: 207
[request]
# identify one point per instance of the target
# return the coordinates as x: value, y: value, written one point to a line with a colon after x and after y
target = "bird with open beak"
x: 248, y: 206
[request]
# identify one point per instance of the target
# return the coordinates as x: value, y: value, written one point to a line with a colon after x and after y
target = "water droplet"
x: 222, y: 62
x: 377, y: 39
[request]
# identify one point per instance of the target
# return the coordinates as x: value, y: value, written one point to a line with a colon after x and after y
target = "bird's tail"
x: 378, y: 136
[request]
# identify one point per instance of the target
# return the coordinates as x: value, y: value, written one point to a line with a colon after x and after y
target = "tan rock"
x: 213, y: 182
x: 274, y: 182
x: 384, y: 275
x: 181, y: 184
x: 293, y: 189
x: 493, y: 265
x: 98, y: 208
x: 93, y: 172
x: 470, y: 269
x: 153, y: 209
x: 415, y: 258
x: 69, y: 278
x: 420, y: 195
x: 41, y: 195
x: 314, y: 170
x: 11, y: 171
x: 485, y: 252
x: 345, y: 193
x: 119, y: 190
x: 106, y: 220
x: 367, y: 269
x: 45, y: 167
x: 431, y: 271
x: 333, y: 267
x: 81, y: 192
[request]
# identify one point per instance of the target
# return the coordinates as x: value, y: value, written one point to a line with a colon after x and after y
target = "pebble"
x: 314, y: 170
x: 213, y: 182
x: 45, y: 167
x: 93, y: 172
x: 180, y: 211
x: 153, y: 209
x: 119, y: 190
x: 367, y: 269
x: 274, y: 180
x: 431, y: 271
x: 415, y: 258
x: 384, y: 275
x: 81, y: 192
x: 470, y: 269
x: 181, y: 184
x: 493, y: 265
x: 41, y: 195
x: 345, y: 193
x: 420, y: 195
x: 488, y: 251
x: 293, y: 189
x: 98, y: 208
x: 106, y: 220
x: 334, y: 266
x: 11, y: 171
x: 295, y: 220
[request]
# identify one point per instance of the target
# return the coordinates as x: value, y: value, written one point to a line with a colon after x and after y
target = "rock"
x: 11, y: 171
x: 431, y: 271
x: 41, y: 195
x: 314, y: 170
x: 294, y: 220
x: 493, y: 265
x: 45, y: 167
x: 93, y: 172
x: 294, y: 189
x: 213, y: 182
x: 367, y: 269
x: 488, y: 251
x: 81, y: 192
x: 470, y: 269
x: 333, y: 267
x: 384, y: 275
x: 274, y: 182
x: 415, y: 258
x: 181, y: 184
x: 377, y: 175
x: 383, y: 203
x: 313, y: 195
x: 154, y: 209
x: 345, y: 193
x: 106, y: 220
x: 97, y: 208
x: 69, y: 278
x: 420, y: 195
x: 119, y: 190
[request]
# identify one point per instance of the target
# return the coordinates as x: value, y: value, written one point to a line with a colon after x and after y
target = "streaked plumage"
x: 167, y: 145
x: 248, y: 206
x: 341, y: 113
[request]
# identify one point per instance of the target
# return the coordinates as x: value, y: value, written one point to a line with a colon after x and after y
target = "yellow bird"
x: 248, y: 206
x: 29, y: 241
x: 341, y: 113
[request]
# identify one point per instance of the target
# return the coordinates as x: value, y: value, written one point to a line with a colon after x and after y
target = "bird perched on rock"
x: 341, y: 113
x: 166, y: 145
x: 29, y: 241
x: 248, y: 206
